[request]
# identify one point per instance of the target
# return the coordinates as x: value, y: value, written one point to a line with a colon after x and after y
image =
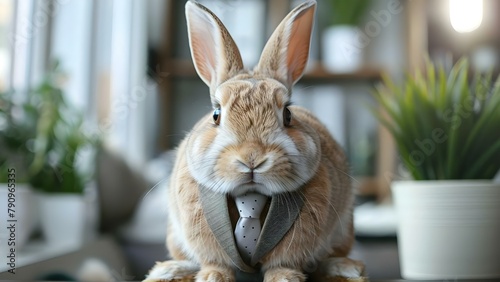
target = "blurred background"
x: 97, y: 93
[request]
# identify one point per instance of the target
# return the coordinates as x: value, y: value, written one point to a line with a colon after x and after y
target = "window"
x: 6, y: 26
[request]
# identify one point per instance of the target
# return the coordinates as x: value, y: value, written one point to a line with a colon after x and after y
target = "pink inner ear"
x: 298, y: 47
x: 214, y: 52
x: 203, y: 47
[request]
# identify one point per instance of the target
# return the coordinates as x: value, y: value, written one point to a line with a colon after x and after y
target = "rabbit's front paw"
x: 284, y: 275
x: 172, y: 270
x: 215, y: 274
x: 341, y: 267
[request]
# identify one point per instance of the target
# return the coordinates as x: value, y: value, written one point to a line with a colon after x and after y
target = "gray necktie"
x: 247, y: 230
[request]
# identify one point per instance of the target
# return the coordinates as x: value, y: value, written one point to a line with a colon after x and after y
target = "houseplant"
x: 54, y: 155
x: 60, y: 146
x: 341, y: 49
x: 15, y: 133
x: 446, y: 125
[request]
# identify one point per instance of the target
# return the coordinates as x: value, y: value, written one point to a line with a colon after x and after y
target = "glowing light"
x: 466, y: 15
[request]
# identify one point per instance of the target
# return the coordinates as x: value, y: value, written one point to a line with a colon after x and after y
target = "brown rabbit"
x: 255, y: 142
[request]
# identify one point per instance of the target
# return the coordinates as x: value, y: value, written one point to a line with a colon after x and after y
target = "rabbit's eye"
x: 287, y: 116
x: 217, y: 116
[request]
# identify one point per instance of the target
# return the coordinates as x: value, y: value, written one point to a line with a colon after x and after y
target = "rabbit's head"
x: 253, y: 140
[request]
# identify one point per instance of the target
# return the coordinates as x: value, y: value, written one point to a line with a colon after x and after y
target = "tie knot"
x: 250, y: 205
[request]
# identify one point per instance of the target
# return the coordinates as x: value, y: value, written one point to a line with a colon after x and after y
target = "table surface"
x: 380, y: 255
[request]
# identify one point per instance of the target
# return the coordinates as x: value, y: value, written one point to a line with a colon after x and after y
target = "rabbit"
x: 255, y: 141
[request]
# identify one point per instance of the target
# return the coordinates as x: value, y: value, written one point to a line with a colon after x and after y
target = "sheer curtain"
x: 7, y: 17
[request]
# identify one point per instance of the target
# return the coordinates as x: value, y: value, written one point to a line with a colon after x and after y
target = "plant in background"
x: 17, y: 129
x: 342, y: 41
x: 46, y: 138
x: 347, y: 12
x: 446, y: 124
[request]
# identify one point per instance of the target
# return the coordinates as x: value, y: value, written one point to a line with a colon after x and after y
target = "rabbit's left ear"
x: 286, y: 53
x: 215, y: 55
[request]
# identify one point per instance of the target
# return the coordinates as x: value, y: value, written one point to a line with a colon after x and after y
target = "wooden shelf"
x: 180, y: 69
x: 185, y: 69
x: 320, y: 74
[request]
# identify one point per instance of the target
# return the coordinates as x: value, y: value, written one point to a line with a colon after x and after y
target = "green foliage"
x: 43, y: 138
x: 347, y: 12
x: 446, y: 124
x: 16, y: 130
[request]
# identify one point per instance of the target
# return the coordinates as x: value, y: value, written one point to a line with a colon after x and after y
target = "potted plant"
x: 60, y: 146
x: 56, y: 152
x: 16, y: 194
x: 341, y: 39
x: 446, y: 125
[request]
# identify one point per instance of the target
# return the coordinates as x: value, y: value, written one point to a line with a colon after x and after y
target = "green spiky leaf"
x: 446, y: 124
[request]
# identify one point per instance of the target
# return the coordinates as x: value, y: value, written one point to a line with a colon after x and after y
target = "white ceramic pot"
x: 342, y: 50
x: 24, y: 214
x: 63, y: 218
x: 448, y: 229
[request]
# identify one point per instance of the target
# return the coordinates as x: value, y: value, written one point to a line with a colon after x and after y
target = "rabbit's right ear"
x: 215, y: 55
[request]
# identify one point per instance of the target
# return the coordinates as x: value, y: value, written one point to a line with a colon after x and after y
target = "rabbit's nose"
x: 251, y: 167
x: 252, y: 158
x: 252, y: 164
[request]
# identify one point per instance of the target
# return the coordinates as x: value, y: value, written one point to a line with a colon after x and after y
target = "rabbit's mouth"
x: 249, y: 187
x: 251, y: 182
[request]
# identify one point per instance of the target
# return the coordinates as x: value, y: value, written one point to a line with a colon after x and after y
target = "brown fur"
x: 302, y: 156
